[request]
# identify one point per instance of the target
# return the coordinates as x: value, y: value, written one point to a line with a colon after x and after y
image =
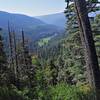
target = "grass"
x: 44, y: 41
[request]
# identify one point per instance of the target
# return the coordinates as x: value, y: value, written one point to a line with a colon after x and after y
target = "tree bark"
x: 89, y: 46
x: 11, y: 48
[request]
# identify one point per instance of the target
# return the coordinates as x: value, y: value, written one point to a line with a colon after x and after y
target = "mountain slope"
x: 34, y: 28
x: 57, y: 19
x: 18, y: 20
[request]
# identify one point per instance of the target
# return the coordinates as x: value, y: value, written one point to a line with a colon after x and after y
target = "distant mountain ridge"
x: 34, y: 28
x: 57, y: 19
x: 18, y: 20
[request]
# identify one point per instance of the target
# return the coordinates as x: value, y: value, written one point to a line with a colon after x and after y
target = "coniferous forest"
x: 66, y: 67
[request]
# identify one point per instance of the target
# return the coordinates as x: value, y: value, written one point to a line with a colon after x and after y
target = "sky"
x: 33, y: 7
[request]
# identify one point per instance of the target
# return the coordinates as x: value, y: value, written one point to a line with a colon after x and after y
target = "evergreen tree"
x: 88, y: 43
x: 3, y: 62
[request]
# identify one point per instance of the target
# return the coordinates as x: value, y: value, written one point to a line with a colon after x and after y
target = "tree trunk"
x: 15, y: 50
x: 11, y: 48
x: 89, y: 47
x: 23, y: 45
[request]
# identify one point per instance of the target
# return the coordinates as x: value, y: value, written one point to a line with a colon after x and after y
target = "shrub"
x: 11, y: 93
x: 67, y: 92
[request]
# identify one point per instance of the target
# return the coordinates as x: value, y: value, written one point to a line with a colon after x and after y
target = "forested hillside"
x: 57, y: 19
x: 62, y: 67
x: 34, y: 28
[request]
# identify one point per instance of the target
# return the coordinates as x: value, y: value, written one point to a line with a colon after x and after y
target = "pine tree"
x: 88, y: 43
x: 11, y: 48
x: 29, y: 68
x: 3, y: 62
